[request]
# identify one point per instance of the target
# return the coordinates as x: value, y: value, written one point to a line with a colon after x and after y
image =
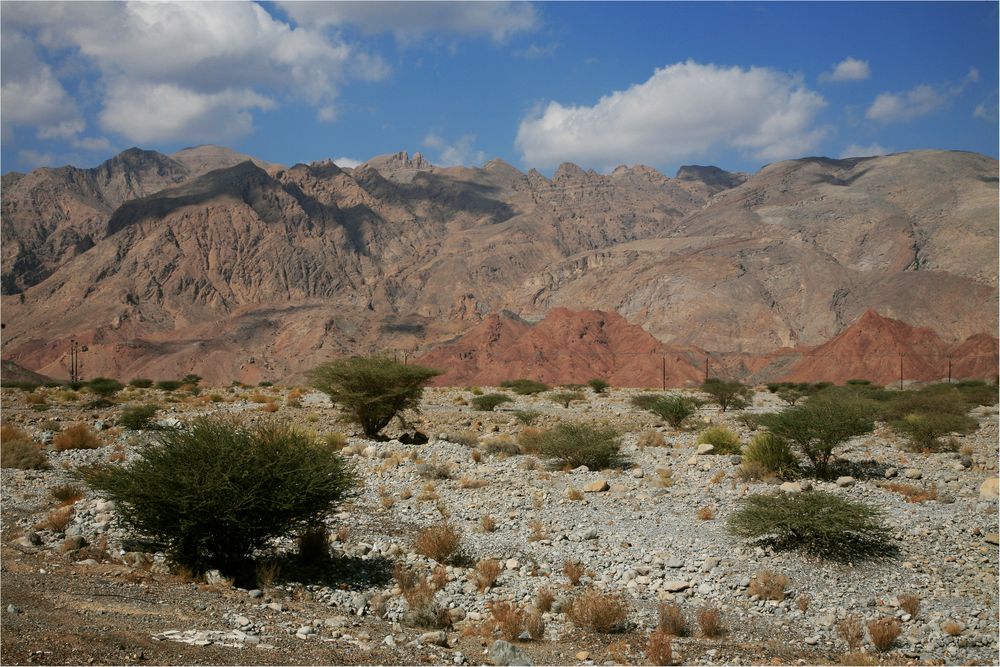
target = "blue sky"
x: 737, y: 85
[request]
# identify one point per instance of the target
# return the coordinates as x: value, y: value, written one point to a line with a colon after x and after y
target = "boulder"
x: 990, y: 489
x: 597, y: 486
x: 505, y: 653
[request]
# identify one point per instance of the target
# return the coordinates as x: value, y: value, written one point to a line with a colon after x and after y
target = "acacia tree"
x: 727, y: 394
x: 372, y: 390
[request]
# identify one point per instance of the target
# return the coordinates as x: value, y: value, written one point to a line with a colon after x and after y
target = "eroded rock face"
x: 251, y: 271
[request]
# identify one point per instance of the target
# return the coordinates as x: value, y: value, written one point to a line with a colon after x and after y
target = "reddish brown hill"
x: 874, y: 347
x: 565, y: 347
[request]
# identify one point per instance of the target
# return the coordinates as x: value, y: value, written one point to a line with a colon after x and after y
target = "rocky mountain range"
x: 212, y: 262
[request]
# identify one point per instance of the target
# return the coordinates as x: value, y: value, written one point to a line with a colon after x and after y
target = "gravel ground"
x: 638, y: 538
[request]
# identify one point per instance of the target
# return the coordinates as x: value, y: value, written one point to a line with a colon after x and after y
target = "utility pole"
x: 664, y: 372
x: 74, y: 361
x: 900, y: 371
x: 949, y: 370
x: 706, y: 368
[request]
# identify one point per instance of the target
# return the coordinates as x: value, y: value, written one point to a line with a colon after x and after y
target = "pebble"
x: 913, y: 473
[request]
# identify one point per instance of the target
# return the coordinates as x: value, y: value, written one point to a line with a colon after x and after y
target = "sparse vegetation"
x: 169, y: 385
x: 672, y: 408
x: 141, y: 383
x: 104, y: 387
x: 439, y: 542
x: 372, y: 390
x: 599, y: 612
x: 923, y: 432
x: 574, y: 571
x: 883, y: 632
x: 581, y: 445
x: 727, y: 394
x: 910, y: 604
x: 659, y: 650
x: 710, y: 622
x: 768, y: 585
x: 488, y: 402
x: 138, y: 418
x: 218, y: 491
x: 525, y: 387
x: 817, y: 522
x: 772, y: 454
x: 564, y: 398
x: 509, y: 619
x: 852, y: 632
x: 671, y: 620
x: 488, y: 570
x: 651, y: 439
x: 723, y: 439
x: 706, y: 513
x: 527, y: 417
x: 19, y: 450
x: 77, y: 436
x: 598, y: 385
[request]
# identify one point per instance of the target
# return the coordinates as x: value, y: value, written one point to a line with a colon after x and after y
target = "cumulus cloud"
x: 228, y: 58
x: 408, y: 20
x: 848, y: 69
x: 919, y: 101
x: 161, y: 112
x: 347, y: 162
x: 855, y: 150
x: 534, y: 51
x: 459, y: 152
x: 683, y: 110
x: 34, y: 159
x: 31, y: 94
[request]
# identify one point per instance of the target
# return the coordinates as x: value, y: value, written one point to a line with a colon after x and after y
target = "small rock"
x: 637, y: 473
x: 597, y: 486
x: 241, y: 621
x: 255, y: 593
x: 675, y: 586
x: 306, y: 630
x: 704, y: 448
x: 812, y: 641
x: 214, y: 577
x: 913, y: 473
x: 993, y: 538
x: 990, y: 489
x: 791, y: 487
x: 505, y: 653
x: 582, y: 655
x: 435, y: 638
x: 12, y: 609
x: 73, y: 543
x: 844, y: 482
x: 512, y: 564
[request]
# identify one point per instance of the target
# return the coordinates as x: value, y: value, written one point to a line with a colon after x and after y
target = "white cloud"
x: 347, y: 162
x: 848, y: 69
x: 223, y: 56
x: 854, y: 150
x: 162, y: 112
x: 34, y: 159
x: 459, y: 152
x: 326, y: 114
x: 919, y: 101
x: 987, y: 111
x: 91, y: 144
x: 31, y: 94
x: 408, y: 20
x: 683, y: 110
x: 535, y: 51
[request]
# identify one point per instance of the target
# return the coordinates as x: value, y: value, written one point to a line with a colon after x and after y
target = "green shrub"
x: 672, y: 408
x: 527, y: 417
x: 727, y: 394
x: 772, y: 453
x: 721, y: 438
x: 751, y: 420
x: 598, y: 385
x: 816, y: 522
x: 824, y: 421
x: 372, y: 390
x: 977, y: 392
x: 265, y: 383
x: 141, y: 383
x: 105, y: 386
x: 564, y: 398
x: 19, y: 450
x: 938, y: 399
x: 219, y: 492
x: 169, y: 385
x: 139, y: 418
x: 191, y: 378
x: 923, y: 432
x: 487, y: 402
x: 525, y: 387
x: 581, y: 445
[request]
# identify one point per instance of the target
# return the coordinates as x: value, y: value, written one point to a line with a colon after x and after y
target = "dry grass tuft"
x: 439, y: 542
x: 659, y: 650
x: 664, y: 478
x: 270, y: 406
x: 884, y: 632
x: 477, y: 456
x: 574, y: 570
x: 651, y: 438
x: 537, y: 531
x: 953, y: 628
x: 66, y: 494
x: 488, y: 570
x: 910, y: 604
x: 706, y: 513
x: 802, y: 602
x: 439, y: 577
x: 597, y: 611
x: 535, y: 624
x: 468, y: 483
x: 710, y: 621
x: 852, y: 632
x: 718, y: 477
x: 672, y: 621
x: 487, y: 523
x: 572, y: 493
x: 508, y: 619
x: 57, y: 520
x: 911, y: 493
x: 19, y: 450
x: 769, y: 585
x: 268, y: 572
x: 428, y: 492
x: 77, y: 436
x: 544, y: 599
x: 530, y: 440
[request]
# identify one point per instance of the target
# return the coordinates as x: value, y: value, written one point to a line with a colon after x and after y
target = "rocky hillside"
x: 252, y: 271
